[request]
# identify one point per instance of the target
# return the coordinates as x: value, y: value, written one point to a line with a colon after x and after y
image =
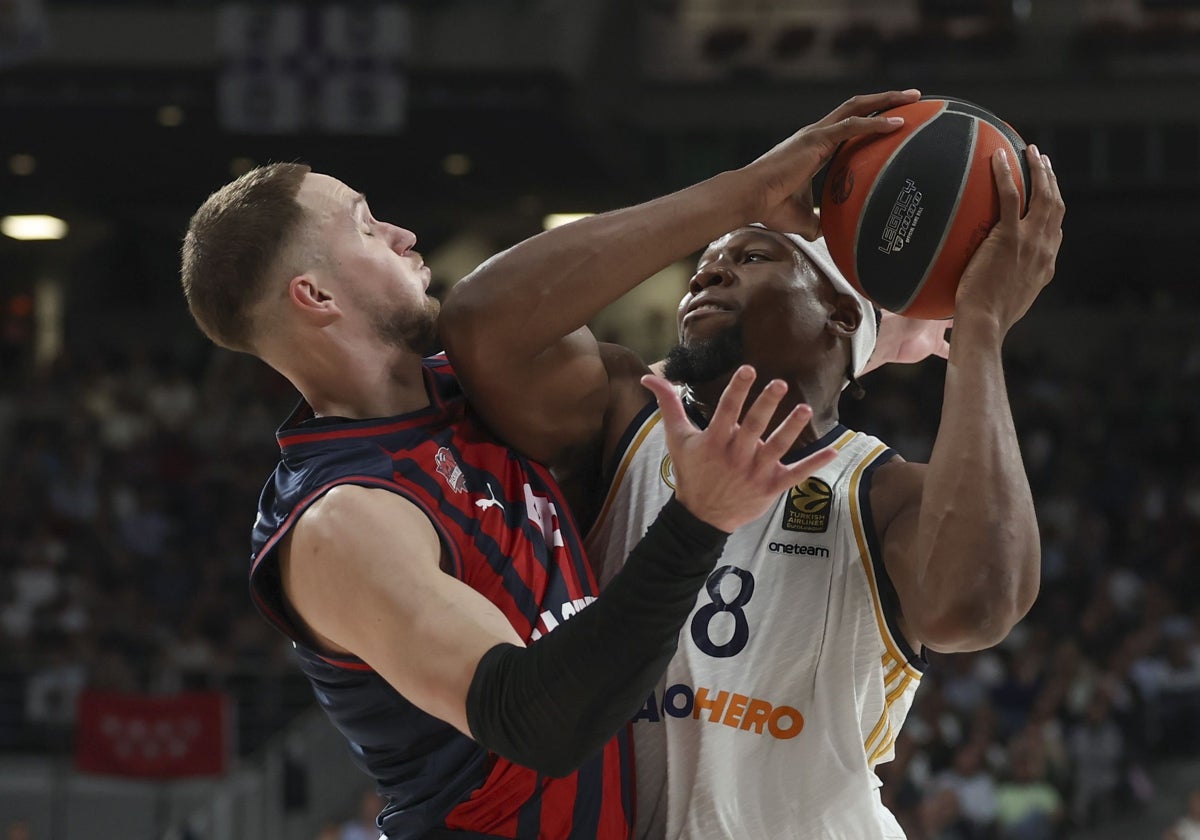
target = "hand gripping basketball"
x: 728, y: 475
x: 903, y: 212
x: 1016, y: 260
x: 785, y: 173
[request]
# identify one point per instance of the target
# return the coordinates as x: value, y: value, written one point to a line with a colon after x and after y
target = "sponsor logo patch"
x: 737, y: 711
x: 491, y: 501
x: 667, y: 472
x: 449, y: 470
x: 808, y: 507
x: 799, y: 548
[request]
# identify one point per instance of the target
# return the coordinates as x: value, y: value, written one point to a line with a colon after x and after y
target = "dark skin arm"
x: 515, y: 328
x: 959, y: 534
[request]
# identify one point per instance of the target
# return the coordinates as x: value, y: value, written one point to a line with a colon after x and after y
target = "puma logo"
x: 484, y: 504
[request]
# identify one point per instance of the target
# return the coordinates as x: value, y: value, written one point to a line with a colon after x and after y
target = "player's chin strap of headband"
x: 853, y: 387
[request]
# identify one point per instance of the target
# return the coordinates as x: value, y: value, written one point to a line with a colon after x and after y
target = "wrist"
x: 977, y: 325
x: 679, y: 520
x: 747, y: 193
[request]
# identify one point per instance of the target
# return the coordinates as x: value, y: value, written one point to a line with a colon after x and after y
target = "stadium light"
x: 554, y: 220
x: 33, y: 227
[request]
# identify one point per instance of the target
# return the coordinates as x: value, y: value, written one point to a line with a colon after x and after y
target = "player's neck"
x: 823, y: 400
x: 377, y: 384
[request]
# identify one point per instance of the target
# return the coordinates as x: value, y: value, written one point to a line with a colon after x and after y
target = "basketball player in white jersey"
x: 798, y: 664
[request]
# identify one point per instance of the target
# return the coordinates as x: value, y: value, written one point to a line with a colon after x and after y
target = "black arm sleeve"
x: 554, y: 704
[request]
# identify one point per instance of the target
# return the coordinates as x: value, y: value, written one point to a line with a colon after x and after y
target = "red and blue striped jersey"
x: 506, y: 532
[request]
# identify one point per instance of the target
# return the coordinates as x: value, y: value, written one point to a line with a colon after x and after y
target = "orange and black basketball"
x: 903, y: 212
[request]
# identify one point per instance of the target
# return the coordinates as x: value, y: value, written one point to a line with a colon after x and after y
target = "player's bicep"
x: 896, y: 502
x: 543, y: 406
x: 363, y: 572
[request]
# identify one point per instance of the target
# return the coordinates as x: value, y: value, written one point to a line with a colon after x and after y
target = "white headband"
x: 862, y: 343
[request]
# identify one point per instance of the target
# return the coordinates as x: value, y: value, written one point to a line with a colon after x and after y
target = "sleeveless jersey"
x: 506, y: 533
x: 791, y: 680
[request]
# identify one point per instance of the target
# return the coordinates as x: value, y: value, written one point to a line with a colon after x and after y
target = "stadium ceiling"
x: 119, y: 109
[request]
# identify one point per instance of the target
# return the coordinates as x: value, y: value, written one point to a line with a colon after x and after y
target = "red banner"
x: 160, y: 737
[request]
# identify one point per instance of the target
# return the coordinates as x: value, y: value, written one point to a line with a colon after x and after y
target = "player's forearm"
x: 977, y: 541
x: 553, y: 705
x: 530, y: 296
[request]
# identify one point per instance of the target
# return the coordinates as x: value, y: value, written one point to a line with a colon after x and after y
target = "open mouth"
x: 703, y: 308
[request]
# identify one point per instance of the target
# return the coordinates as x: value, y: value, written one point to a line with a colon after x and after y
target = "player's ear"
x: 312, y: 298
x: 846, y: 316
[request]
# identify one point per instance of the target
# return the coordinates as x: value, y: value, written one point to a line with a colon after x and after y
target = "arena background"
x: 140, y: 695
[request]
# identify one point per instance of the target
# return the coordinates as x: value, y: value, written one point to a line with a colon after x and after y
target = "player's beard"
x: 413, y: 329
x: 705, y: 359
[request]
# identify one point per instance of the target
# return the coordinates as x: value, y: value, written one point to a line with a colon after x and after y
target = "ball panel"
x: 978, y: 211
x: 912, y: 202
x: 852, y: 174
x: 1009, y: 133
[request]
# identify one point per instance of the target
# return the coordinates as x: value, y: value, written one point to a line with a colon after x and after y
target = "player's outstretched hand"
x: 1016, y: 260
x: 727, y: 475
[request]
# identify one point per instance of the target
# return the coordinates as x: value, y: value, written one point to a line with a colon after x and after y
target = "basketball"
x: 903, y: 212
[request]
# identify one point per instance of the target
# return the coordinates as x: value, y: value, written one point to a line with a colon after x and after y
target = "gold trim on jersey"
x: 897, y: 667
x: 843, y: 440
x: 864, y: 552
x: 876, y: 747
x: 626, y: 459
x: 897, y: 672
x: 886, y: 747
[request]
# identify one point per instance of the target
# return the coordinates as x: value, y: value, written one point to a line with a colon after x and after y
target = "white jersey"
x: 791, y: 682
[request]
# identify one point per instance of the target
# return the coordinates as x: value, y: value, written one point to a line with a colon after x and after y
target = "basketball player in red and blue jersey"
x: 798, y: 664
x: 432, y: 579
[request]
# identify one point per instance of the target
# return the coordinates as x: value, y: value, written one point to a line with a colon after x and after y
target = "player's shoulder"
x: 348, y: 511
x: 620, y: 361
x: 627, y: 395
x: 625, y: 370
x: 896, y: 485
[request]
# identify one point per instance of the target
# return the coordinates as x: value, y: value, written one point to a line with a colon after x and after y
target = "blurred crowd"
x: 1059, y: 729
x: 130, y: 479
x: 127, y: 488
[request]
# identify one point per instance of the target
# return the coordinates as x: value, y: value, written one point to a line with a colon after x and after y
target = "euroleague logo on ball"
x: 842, y: 184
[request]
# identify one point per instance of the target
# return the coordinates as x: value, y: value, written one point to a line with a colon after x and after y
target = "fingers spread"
x: 795, y: 473
x: 729, y: 407
x: 785, y: 434
x: 675, y: 419
x: 762, y: 410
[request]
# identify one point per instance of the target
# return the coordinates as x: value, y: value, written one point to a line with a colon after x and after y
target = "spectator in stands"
x: 973, y: 786
x: 363, y: 826
x: 1028, y: 807
x: 1187, y: 827
x: 1097, y: 750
